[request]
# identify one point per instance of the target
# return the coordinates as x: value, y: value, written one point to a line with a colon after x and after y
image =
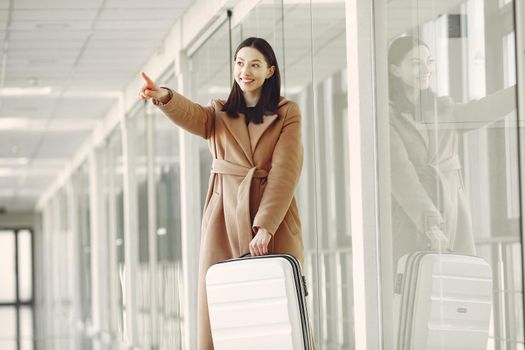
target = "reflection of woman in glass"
x: 429, y: 205
x: 255, y: 141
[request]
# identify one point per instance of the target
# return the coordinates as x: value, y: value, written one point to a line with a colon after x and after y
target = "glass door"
x: 16, y: 293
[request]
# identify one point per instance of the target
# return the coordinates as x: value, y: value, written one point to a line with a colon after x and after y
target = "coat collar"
x: 248, y: 136
x: 407, y: 118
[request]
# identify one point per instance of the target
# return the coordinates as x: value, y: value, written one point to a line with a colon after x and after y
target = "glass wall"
x: 111, y: 163
x: 63, y: 296
x: 159, y: 277
x: 448, y: 169
x: 136, y: 127
x: 170, y: 284
x: 210, y: 78
x: 80, y: 182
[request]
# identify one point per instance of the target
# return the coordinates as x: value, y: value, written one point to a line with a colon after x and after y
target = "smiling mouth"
x: 247, y: 81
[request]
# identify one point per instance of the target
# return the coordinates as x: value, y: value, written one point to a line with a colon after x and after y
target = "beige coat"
x: 253, y: 178
x: 427, y: 183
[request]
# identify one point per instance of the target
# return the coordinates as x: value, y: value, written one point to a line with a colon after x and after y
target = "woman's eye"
x: 256, y: 66
x: 239, y: 63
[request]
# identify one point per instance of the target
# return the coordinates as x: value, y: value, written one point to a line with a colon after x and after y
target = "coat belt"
x: 242, y: 210
x: 448, y: 165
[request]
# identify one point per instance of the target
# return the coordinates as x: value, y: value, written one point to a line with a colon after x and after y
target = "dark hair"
x: 271, y: 89
x: 396, y: 54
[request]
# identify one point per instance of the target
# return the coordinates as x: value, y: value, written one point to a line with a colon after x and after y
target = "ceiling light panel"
x: 128, y: 35
x: 39, y: 60
x: 139, y: 14
x: 149, y: 25
x: 57, y: 4
x: 51, y: 27
x: 103, y: 44
x: 47, y: 125
x: 71, y: 35
x: 63, y: 15
x: 47, y: 45
x: 158, y: 4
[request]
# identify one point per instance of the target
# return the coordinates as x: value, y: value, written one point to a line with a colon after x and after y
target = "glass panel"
x: 81, y: 185
x: 210, y: 78
x: 329, y: 125
x: 136, y: 125
x: 60, y: 239
x: 7, y: 266
x: 8, y: 328
x: 314, y: 75
x: 446, y: 75
x: 113, y: 180
x: 169, y: 254
x: 25, y: 268
x: 26, y: 328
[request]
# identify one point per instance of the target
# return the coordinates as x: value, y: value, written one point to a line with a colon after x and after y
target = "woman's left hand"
x: 259, y: 244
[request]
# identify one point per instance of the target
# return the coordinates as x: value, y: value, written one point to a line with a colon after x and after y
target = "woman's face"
x: 251, y: 70
x: 416, y: 69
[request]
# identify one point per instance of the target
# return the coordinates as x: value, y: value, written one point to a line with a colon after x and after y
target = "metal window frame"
x: 519, y: 13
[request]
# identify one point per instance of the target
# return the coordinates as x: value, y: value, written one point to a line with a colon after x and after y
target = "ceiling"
x: 63, y: 62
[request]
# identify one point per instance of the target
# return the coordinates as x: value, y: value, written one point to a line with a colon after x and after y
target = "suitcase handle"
x: 248, y: 254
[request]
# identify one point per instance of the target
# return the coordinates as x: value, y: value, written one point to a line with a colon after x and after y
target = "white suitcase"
x: 443, y: 301
x: 258, y: 303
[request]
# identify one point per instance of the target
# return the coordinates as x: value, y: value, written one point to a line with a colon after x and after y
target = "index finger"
x: 147, y: 79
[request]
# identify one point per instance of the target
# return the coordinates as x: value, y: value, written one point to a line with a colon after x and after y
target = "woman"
x: 429, y: 205
x: 255, y: 140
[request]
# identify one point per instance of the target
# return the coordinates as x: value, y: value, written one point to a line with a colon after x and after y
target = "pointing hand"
x: 149, y: 90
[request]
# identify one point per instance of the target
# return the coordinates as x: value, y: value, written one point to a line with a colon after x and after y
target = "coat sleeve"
x: 287, y: 163
x: 192, y: 117
x: 478, y: 113
x: 407, y: 189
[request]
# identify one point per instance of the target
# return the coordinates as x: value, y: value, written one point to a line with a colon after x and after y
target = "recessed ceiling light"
x: 42, y: 125
x: 6, y: 172
x: 14, y: 161
x: 13, y: 123
x: 31, y: 91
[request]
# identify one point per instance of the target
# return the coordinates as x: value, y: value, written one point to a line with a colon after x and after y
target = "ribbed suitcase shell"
x: 443, y: 301
x: 258, y: 303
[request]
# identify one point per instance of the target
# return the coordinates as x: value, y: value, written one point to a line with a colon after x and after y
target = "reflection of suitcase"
x: 443, y: 301
x: 258, y: 303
